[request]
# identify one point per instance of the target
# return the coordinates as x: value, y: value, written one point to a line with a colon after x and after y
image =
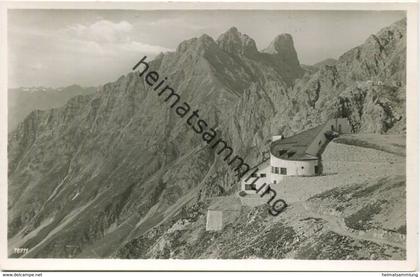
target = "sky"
x: 57, y: 48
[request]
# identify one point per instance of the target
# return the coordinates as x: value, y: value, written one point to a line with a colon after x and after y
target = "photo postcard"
x: 209, y: 136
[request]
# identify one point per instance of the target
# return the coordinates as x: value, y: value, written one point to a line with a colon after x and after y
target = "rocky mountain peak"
x: 283, y: 45
x: 284, y: 53
x: 234, y: 42
x: 199, y: 44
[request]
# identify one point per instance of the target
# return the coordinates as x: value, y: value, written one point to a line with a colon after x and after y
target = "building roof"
x: 294, y: 147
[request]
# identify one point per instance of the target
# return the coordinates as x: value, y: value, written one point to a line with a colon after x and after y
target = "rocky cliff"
x: 89, y: 177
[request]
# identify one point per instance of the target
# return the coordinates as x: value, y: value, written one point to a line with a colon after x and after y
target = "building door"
x: 339, y: 128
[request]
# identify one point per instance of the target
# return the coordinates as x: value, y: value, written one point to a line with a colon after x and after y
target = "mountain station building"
x: 298, y: 155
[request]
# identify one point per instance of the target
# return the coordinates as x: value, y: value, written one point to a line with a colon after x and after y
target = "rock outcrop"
x: 367, y: 85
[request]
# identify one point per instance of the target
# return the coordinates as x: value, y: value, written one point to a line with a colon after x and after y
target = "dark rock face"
x: 89, y: 177
x: 284, y: 48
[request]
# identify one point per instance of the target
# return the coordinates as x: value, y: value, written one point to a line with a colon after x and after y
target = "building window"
x: 276, y: 170
x: 332, y: 128
x: 250, y: 187
x: 275, y: 182
x: 339, y: 128
x: 283, y: 171
x: 263, y: 175
x: 316, y: 169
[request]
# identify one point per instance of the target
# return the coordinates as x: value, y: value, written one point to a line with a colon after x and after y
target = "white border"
x: 224, y: 265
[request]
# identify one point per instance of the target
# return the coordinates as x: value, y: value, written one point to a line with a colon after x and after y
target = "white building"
x: 297, y: 155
